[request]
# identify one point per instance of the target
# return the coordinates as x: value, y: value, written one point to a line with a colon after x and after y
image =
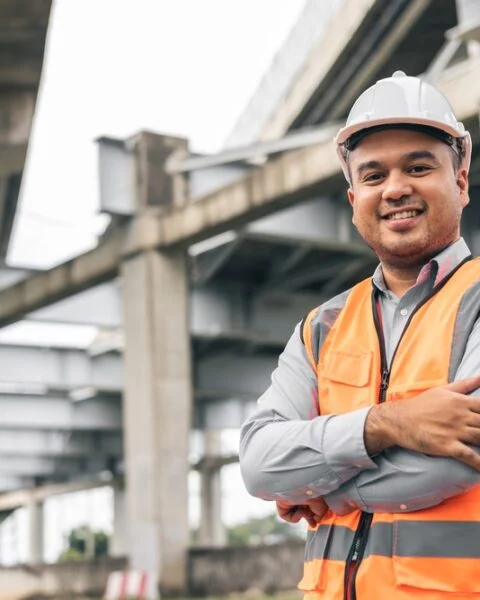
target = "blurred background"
x: 170, y: 207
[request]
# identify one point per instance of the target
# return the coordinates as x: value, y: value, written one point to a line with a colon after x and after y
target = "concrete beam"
x: 286, y: 180
x: 20, y: 497
x: 50, y: 412
x: 49, y: 382
x: 289, y: 179
x: 11, y: 482
x: 59, y: 370
x: 227, y: 375
x: 323, y: 57
x: 25, y: 442
x: 215, y: 313
x: 225, y: 414
x: 100, y: 305
x: 42, y: 289
x: 34, y: 466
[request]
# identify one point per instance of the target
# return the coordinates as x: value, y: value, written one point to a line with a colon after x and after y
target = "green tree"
x: 263, y: 530
x: 83, y: 543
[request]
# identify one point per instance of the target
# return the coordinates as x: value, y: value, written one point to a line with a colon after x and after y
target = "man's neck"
x: 399, y: 281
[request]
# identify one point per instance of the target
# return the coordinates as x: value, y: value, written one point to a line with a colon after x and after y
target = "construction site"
x: 206, y: 265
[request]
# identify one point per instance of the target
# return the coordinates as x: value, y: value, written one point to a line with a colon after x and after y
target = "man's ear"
x: 351, y: 196
x: 462, y: 186
x: 351, y: 200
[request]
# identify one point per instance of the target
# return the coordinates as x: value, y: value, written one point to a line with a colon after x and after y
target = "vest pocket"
x: 437, y: 555
x: 348, y: 368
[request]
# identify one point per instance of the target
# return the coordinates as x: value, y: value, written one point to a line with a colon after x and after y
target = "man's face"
x: 406, y: 195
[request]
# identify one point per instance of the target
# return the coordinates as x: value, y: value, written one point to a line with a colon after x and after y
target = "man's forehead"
x: 399, y: 142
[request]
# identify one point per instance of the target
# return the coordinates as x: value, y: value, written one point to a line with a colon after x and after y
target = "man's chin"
x: 404, y: 255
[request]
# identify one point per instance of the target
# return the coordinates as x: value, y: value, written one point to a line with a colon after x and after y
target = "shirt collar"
x: 436, y: 269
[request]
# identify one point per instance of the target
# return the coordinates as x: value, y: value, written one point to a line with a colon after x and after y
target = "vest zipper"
x: 356, y: 554
x: 360, y: 539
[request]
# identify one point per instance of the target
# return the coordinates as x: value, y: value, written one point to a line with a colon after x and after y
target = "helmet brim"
x: 346, y: 132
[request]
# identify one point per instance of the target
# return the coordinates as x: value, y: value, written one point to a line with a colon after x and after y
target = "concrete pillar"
x: 35, y: 531
x: 119, y: 539
x: 468, y: 12
x: 157, y: 414
x: 211, y: 531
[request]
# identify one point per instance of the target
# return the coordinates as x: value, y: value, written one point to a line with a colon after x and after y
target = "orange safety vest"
x: 430, y: 554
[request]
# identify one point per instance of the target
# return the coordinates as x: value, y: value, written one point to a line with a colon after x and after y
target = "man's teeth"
x: 406, y: 214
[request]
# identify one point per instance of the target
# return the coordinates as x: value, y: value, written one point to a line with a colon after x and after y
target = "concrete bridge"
x: 207, y: 265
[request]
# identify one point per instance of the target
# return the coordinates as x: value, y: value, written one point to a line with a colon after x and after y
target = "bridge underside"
x: 192, y: 298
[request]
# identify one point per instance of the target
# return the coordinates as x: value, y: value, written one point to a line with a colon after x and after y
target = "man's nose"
x: 397, y: 185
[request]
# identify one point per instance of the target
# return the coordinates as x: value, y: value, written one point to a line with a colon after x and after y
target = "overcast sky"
x: 113, y: 67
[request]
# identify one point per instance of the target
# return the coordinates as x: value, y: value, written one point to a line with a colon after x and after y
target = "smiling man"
x: 387, y: 474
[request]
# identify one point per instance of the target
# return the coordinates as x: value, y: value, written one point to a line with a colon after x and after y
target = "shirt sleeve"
x: 407, y: 481
x: 287, y: 451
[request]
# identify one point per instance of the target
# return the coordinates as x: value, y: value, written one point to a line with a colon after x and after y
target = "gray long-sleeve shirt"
x: 287, y: 454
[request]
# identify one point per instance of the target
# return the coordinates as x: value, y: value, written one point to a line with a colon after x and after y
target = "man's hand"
x: 441, y: 422
x: 312, y: 511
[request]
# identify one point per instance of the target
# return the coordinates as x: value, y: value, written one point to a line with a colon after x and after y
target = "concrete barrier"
x: 211, y: 571
x: 236, y: 569
x: 64, y: 580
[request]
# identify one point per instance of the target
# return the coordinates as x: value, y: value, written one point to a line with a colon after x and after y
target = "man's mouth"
x: 404, y: 214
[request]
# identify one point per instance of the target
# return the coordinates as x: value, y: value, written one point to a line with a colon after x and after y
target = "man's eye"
x: 373, y: 177
x: 418, y: 169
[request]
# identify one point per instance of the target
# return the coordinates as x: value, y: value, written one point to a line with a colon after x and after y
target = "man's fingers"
x: 291, y: 515
x: 464, y: 386
x: 474, y: 419
x: 471, y: 436
x: 318, y: 507
x: 474, y: 406
x: 467, y: 455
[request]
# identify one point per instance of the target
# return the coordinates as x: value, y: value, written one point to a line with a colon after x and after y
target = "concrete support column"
x: 157, y: 414
x: 119, y: 540
x: 35, y: 531
x: 211, y: 530
x: 468, y: 12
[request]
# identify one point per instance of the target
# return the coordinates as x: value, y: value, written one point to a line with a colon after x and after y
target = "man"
x: 369, y: 427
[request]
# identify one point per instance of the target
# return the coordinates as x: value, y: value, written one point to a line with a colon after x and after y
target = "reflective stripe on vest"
x: 428, y: 554
x: 400, y: 538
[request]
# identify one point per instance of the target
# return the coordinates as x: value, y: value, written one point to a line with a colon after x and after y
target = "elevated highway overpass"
x: 208, y: 264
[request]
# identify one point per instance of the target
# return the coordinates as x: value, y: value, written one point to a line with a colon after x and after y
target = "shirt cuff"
x: 344, y: 444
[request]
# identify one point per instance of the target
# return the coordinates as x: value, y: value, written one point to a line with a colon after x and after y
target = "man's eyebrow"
x: 419, y: 154
x: 369, y: 164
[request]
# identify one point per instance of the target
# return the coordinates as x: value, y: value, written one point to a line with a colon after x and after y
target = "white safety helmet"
x: 400, y: 99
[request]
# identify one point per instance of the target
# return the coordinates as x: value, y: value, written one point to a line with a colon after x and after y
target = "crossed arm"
x: 288, y: 452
